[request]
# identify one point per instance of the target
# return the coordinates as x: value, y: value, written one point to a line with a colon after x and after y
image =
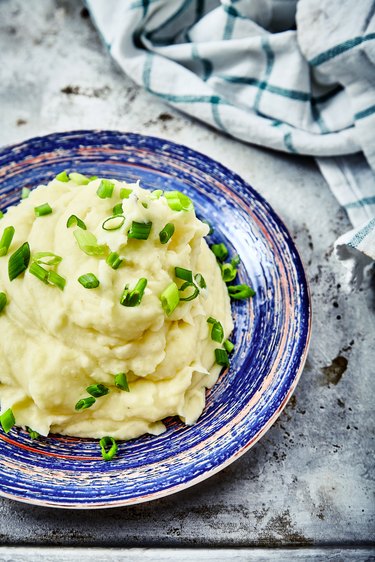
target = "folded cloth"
x: 297, y: 77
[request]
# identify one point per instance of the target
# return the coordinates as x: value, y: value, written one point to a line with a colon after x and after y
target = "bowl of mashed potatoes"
x: 154, y: 317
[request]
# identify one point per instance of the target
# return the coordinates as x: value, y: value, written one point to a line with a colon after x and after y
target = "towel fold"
x: 293, y: 76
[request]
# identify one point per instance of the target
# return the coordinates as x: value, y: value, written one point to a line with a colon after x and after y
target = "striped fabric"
x: 297, y: 77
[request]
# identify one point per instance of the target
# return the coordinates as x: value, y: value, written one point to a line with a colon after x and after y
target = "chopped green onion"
x: 211, y: 320
x: 239, y: 292
x: 200, y: 281
x: 185, y: 274
x: 178, y: 201
x: 170, y: 298
x: 156, y: 194
x: 33, y: 434
x: 85, y: 403
x: 220, y: 251
x: 92, y: 178
x: 3, y: 301
x: 73, y: 220
x: 6, y: 240
x: 56, y: 279
x: 134, y: 297
x: 39, y: 272
x: 114, y: 260
x: 125, y: 192
x: 140, y: 230
x: 229, y: 346
x: 19, y: 261
x: 89, y: 281
x: 88, y: 243
x: 166, y: 234
x: 97, y: 390
x: 79, y: 179
x: 105, y: 189
x: 144, y: 204
x: 52, y: 259
x: 43, y: 210
x: 211, y: 231
x: 117, y: 209
x: 7, y: 420
x: 221, y: 357
x: 62, y: 176
x: 122, y: 382
x: 193, y: 295
x: 235, y: 261
x: 228, y: 272
x: 48, y: 277
x: 1, y: 214
x: 25, y: 193
x: 113, y: 223
x: 217, y: 332
x: 108, y: 448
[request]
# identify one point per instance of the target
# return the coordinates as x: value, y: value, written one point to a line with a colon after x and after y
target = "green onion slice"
x: 1, y: 214
x: 240, y: 292
x: 97, y: 390
x: 25, y: 193
x: 235, y: 261
x: 88, y: 243
x: 200, y: 281
x: 220, y: 251
x: 229, y: 346
x: 113, y: 223
x: 156, y: 194
x: 33, y: 434
x: 228, y: 272
x: 19, y: 261
x: 56, y: 279
x: 6, y: 240
x: 185, y: 274
x: 79, y: 179
x: 85, y: 403
x: 89, y: 281
x: 46, y: 258
x: 43, y: 210
x: 166, y: 234
x: 178, y: 201
x: 211, y: 320
x: 193, y: 295
x: 73, y: 220
x: 170, y: 298
x: 105, y: 189
x: 108, y: 448
x: 117, y: 209
x: 221, y: 357
x: 114, y: 260
x: 7, y: 420
x: 121, y: 382
x: 125, y: 192
x: 140, y: 230
x: 62, y: 176
x: 217, y: 332
x: 3, y: 301
x: 39, y: 272
x: 134, y: 297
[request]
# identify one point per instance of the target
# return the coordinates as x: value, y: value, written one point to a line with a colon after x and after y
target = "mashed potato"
x: 55, y: 343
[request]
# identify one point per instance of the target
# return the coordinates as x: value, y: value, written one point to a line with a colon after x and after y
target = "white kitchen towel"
x: 293, y: 76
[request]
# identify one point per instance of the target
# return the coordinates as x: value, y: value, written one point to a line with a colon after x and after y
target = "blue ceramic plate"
x: 271, y: 331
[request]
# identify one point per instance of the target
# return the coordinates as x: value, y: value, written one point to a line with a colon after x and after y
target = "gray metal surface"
x: 308, y: 482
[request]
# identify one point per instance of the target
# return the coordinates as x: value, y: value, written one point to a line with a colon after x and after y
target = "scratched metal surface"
x: 308, y: 481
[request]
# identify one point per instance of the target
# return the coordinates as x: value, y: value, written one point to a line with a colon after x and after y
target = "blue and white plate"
x: 271, y: 330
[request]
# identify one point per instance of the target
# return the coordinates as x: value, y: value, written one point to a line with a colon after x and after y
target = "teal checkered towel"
x: 293, y: 76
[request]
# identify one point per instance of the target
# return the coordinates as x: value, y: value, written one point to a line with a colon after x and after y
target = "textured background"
x: 307, y: 483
